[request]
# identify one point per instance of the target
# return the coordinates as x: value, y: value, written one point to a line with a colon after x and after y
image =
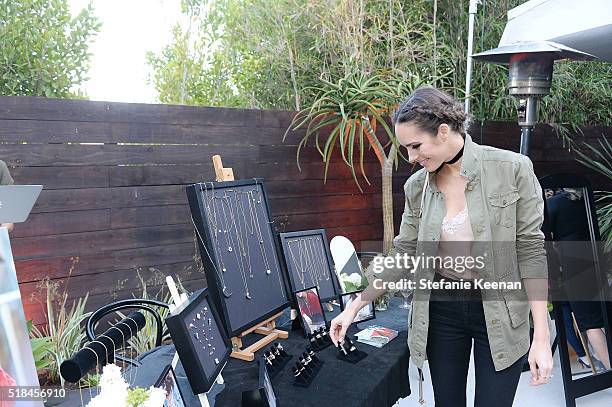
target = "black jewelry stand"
x: 319, y: 339
x: 276, y: 359
x: 306, y: 369
x: 102, y: 350
x: 349, y: 352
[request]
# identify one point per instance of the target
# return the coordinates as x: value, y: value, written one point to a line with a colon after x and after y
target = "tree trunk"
x: 386, y: 164
x: 387, y: 200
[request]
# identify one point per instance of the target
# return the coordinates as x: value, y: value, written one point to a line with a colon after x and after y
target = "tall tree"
x: 45, y: 52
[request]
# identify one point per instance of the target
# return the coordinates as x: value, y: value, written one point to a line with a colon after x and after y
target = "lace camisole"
x: 456, y: 241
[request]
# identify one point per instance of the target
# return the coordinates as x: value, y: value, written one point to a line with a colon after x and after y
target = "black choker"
x: 454, y: 159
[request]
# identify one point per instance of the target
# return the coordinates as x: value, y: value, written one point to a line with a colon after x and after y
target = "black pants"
x: 453, y: 323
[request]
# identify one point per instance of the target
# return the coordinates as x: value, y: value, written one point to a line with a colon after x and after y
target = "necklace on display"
x: 234, y: 228
x: 308, y: 260
x: 243, y: 237
x: 257, y: 227
x: 254, y: 207
x: 299, y: 265
x: 226, y: 292
x: 321, y: 256
x: 229, y: 223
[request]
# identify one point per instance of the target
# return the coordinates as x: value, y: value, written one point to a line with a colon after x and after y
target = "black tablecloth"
x: 378, y: 380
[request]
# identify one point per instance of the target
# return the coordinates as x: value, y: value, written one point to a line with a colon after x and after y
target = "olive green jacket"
x: 505, y: 204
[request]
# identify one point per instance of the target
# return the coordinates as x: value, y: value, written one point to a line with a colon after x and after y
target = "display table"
x: 378, y: 380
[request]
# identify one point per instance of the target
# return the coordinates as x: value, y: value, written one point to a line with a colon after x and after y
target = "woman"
x: 473, y: 194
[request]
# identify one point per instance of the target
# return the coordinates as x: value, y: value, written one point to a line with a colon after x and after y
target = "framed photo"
x: 311, y: 311
x: 200, y: 340
x: 239, y: 251
x: 365, y: 314
x: 309, y: 262
x: 168, y: 382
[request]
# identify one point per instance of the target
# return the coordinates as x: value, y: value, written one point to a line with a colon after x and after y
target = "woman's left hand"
x: 540, y: 361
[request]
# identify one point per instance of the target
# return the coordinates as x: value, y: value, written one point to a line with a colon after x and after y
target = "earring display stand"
x: 349, y: 352
x: 275, y: 359
x: 240, y: 256
x: 306, y: 368
x: 98, y: 350
x: 198, y: 380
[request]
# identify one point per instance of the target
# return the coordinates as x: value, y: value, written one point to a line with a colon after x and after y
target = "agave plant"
x: 351, y: 109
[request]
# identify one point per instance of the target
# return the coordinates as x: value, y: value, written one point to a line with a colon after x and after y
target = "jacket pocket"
x: 504, y: 207
x: 518, y: 310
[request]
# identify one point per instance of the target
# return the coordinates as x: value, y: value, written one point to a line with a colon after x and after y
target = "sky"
x: 118, y: 69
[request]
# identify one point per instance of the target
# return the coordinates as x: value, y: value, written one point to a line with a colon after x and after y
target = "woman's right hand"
x: 340, y: 324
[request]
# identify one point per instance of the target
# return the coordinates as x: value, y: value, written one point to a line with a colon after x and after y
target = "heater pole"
x: 468, y: 72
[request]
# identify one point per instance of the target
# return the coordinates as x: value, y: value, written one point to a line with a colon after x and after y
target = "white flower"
x: 112, y: 378
x: 113, y: 388
x: 355, y: 279
x: 156, y: 397
x: 114, y: 391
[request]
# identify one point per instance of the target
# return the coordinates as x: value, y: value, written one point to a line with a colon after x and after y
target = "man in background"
x: 6, y: 179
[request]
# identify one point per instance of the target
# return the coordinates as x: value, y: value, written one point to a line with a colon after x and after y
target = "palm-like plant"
x: 351, y: 109
x: 602, y: 163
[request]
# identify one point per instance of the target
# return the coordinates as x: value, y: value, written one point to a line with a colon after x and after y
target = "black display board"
x: 309, y: 262
x: 200, y: 340
x: 239, y: 252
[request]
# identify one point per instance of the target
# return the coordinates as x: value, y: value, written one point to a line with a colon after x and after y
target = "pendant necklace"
x: 310, y: 258
x: 226, y: 292
x: 299, y: 265
x: 225, y: 200
x: 243, y: 239
x: 255, y: 220
x: 253, y: 207
x: 321, y: 259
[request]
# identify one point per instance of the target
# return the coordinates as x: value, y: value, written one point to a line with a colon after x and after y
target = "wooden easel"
x: 267, y: 327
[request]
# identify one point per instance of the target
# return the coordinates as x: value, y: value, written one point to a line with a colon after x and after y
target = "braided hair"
x: 428, y: 108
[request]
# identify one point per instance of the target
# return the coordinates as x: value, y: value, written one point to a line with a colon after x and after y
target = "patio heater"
x: 530, y: 71
x: 539, y: 32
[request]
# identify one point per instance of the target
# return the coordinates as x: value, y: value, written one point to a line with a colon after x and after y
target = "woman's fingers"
x: 334, y: 331
x: 343, y: 328
x: 534, y: 371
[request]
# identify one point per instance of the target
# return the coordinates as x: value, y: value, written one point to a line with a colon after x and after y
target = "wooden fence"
x: 114, y: 174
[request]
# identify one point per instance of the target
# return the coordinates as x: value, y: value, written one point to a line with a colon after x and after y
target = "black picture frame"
x: 264, y: 395
x: 306, y: 326
x: 162, y: 381
x: 356, y: 321
x: 200, y: 367
x: 238, y: 312
x: 265, y: 385
x: 329, y: 287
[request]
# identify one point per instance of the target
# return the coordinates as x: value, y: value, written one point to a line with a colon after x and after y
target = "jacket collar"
x: 470, y: 163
